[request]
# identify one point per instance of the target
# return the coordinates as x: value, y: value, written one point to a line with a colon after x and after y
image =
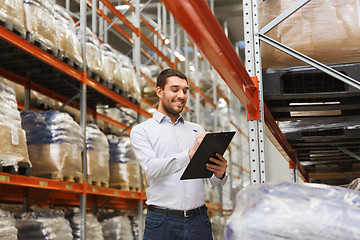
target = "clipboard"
x: 211, y: 144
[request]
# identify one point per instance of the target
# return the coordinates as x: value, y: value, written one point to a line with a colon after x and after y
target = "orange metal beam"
x: 279, y: 136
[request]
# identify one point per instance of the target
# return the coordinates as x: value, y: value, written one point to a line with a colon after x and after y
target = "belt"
x: 180, y: 213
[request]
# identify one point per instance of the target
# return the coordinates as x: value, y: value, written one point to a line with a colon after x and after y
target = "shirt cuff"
x: 217, y: 181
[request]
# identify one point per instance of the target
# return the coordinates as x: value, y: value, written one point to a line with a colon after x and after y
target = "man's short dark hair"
x: 161, y: 78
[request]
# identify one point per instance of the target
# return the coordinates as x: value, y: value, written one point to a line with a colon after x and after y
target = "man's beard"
x: 171, y: 111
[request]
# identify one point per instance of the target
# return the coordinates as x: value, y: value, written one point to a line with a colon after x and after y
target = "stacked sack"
x: 55, y: 143
x: 97, y: 156
x: 124, y: 169
x: 8, y: 230
x: 43, y: 226
x: 13, y: 151
x: 93, y: 229
x: 12, y: 11
x: 40, y: 21
x: 129, y: 76
x: 117, y: 228
x: 93, y: 53
x: 294, y: 211
x: 111, y: 67
x: 67, y: 41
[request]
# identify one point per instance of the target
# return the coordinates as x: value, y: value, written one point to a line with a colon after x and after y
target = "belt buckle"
x: 187, y: 213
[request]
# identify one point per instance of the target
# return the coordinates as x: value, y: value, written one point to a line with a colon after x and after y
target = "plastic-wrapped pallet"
x: 295, y: 211
x: 8, y: 230
x: 13, y: 151
x: 124, y: 169
x: 55, y: 143
x: 67, y: 40
x: 132, y: 84
x: 93, y: 229
x: 97, y: 156
x: 93, y: 53
x: 308, y: 31
x: 117, y: 228
x: 109, y: 62
x: 12, y: 10
x: 40, y: 21
x: 43, y: 226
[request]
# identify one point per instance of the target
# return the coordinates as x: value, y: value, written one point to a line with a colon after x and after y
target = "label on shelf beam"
x: 4, y: 178
x: 43, y: 183
x: 95, y: 190
x: 116, y: 192
x: 69, y: 186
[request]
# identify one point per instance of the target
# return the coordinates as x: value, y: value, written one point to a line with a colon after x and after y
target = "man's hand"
x: 198, y: 140
x: 220, y: 170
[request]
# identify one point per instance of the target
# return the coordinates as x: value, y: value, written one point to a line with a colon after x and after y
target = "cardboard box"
x: 13, y: 146
x: 56, y: 160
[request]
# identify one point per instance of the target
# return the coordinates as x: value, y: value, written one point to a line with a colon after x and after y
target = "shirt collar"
x: 158, y: 116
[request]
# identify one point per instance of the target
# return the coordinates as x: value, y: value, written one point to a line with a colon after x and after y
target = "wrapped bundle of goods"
x: 12, y: 11
x: 308, y: 32
x: 117, y: 228
x: 309, y: 211
x: 40, y: 22
x: 8, y: 230
x: 43, y: 225
x: 13, y: 151
x: 55, y: 143
x: 67, y: 41
x: 124, y: 169
x: 131, y: 83
x: 93, y: 53
x: 93, y: 229
x: 109, y: 62
x: 97, y: 156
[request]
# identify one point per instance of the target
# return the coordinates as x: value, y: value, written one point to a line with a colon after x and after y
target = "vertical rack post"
x: 197, y: 94
x: 94, y: 16
x: 137, y: 62
x: 164, y: 28
x: 83, y: 119
x: 253, y: 66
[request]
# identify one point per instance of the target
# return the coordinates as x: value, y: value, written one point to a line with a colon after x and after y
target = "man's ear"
x: 159, y: 92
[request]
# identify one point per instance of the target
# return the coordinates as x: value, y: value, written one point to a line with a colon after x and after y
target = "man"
x: 164, y: 145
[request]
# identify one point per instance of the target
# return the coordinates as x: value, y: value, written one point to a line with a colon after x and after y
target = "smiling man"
x: 164, y: 145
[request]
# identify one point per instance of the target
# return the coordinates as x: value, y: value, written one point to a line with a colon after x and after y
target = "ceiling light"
x: 313, y: 103
x: 315, y: 113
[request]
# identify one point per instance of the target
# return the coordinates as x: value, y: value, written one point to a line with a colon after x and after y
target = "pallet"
x: 70, y: 60
x: 134, y: 189
x: 96, y: 182
x: 34, y: 39
x: 55, y: 176
x: 13, y: 27
x: 23, y: 168
x: 120, y: 186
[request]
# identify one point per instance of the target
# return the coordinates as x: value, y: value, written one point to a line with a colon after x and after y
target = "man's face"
x: 173, y: 97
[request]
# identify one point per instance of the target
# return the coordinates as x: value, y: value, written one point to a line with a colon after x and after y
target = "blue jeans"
x: 162, y: 226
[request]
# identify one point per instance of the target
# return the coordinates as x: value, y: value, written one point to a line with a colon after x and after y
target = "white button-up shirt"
x: 161, y: 147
